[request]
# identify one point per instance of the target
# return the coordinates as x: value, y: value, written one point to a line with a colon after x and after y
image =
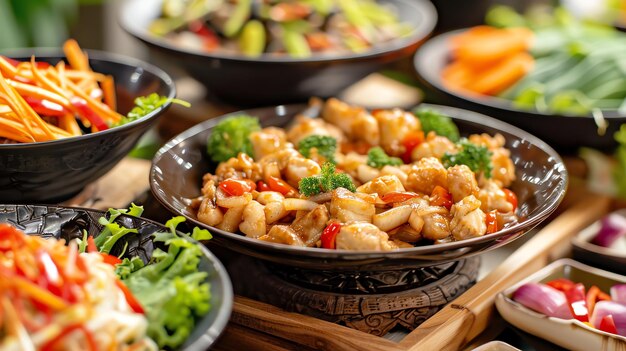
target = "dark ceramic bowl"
x: 566, y: 133
x: 244, y: 81
x: 178, y: 167
x: 48, y: 172
x: 610, y: 258
x: 69, y: 222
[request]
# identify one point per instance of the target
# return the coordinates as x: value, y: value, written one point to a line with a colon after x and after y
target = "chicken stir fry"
x: 357, y: 180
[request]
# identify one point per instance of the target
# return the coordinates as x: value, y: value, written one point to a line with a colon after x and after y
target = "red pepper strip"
x: 130, y: 298
x: 45, y: 107
x: 210, y: 39
x: 262, y: 186
x: 329, y: 235
x: 110, y: 259
x: 410, y: 142
x: 49, y: 268
x: 91, y: 244
x: 39, y: 64
x: 37, y: 293
x: 491, y: 220
x: 395, y: 196
x: 279, y: 185
x: 10, y: 237
x: 511, y: 198
x: 577, y: 303
x: 86, y: 112
x: 441, y: 197
x: 91, y: 341
x: 607, y: 324
x: 237, y: 187
x: 561, y: 284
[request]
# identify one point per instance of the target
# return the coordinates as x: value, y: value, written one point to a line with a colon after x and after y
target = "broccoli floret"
x: 325, y: 146
x: 231, y: 136
x: 476, y: 157
x: 377, y: 158
x: 437, y: 122
x: 328, y: 180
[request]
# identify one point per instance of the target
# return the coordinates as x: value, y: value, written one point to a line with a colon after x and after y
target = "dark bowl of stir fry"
x: 66, y: 120
x: 263, y: 52
x: 82, y: 279
x: 334, y: 186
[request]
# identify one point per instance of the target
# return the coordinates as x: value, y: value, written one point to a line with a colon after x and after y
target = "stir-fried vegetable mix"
x: 76, y: 296
x: 299, y: 28
x: 565, y: 299
x: 357, y: 180
x: 43, y: 102
x: 553, y: 63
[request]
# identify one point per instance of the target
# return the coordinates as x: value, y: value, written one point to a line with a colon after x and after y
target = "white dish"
x: 496, y: 346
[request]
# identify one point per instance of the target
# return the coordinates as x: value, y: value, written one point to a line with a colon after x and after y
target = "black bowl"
x: 178, y: 167
x: 269, y: 79
x: 69, y: 222
x: 49, y: 172
x: 565, y: 133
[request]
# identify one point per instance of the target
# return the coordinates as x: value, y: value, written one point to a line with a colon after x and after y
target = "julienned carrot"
x: 68, y: 122
x: 502, y: 75
x: 108, y: 89
x: 458, y: 75
x: 75, y: 56
x: 483, y: 45
x: 4, y: 109
x: 96, y: 105
x: 37, y: 92
x: 6, y: 68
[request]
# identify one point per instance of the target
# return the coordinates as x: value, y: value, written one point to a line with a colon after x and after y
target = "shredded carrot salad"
x: 54, y: 298
x: 43, y: 102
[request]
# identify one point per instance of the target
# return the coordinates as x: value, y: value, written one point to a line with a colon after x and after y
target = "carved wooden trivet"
x: 375, y: 312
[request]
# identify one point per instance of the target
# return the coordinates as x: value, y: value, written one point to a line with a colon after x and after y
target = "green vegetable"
x: 437, y: 122
x: 146, y: 104
x: 252, y: 39
x: 231, y: 136
x: 328, y: 180
x: 112, y: 231
x: 295, y: 43
x: 619, y: 173
x: 326, y: 146
x: 476, y: 157
x: 237, y: 18
x: 377, y: 158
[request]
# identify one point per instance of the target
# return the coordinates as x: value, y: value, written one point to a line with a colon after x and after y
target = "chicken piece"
x: 355, y: 122
x: 425, y: 175
x: 267, y: 141
x: 347, y: 206
x: 280, y: 158
x: 350, y: 162
x: 431, y: 221
x: 310, y: 226
x: 232, y: 219
x: 298, y: 168
x: 304, y: 127
x: 282, y: 234
x: 492, y: 197
x: 240, y: 167
x: 365, y: 173
x: 363, y: 237
x: 405, y: 233
x: 491, y: 142
x: 274, y: 209
x: 394, y: 126
x: 382, y: 185
x: 468, y: 220
x: 396, y: 171
x: 461, y: 182
x: 209, y: 213
x: 503, y: 167
x: 433, y: 146
x: 253, y: 224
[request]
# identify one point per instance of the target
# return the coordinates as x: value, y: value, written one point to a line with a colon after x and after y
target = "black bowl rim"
x: 425, y: 72
x: 421, y: 31
x: 106, y: 57
x: 226, y: 306
x: 349, y: 254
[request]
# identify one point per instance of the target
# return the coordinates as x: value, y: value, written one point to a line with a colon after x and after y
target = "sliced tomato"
x: 279, y: 185
x: 329, y: 235
x: 237, y: 187
x: 410, y: 142
x: 511, y: 197
x: 396, y: 196
x: 441, y: 197
x: 491, y: 220
x: 130, y: 298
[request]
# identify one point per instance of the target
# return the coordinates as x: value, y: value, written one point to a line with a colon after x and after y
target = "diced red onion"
x: 613, y: 227
x: 604, y: 308
x: 618, y: 293
x: 543, y: 299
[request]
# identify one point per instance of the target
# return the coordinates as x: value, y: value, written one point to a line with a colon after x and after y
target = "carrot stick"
x: 502, y: 75
x: 75, y: 56
x: 5, y: 94
x: 108, y: 89
x: 44, y: 81
x: 68, y: 122
x: 6, y: 68
x: 5, y: 109
x: 99, y: 107
x: 15, y: 131
x: 482, y: 47
x: 40, y: 93
x: 62, y: 78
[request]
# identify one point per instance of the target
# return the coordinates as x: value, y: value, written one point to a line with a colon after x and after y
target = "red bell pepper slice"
x: 279, y: 185
x: 110, y: 259
x: 561, y: 284
x: 441, y: 197
x: 86, y: 112
x: 396, y: 196
x: 237, y: 187
x: 329, y: 235
x: 91, y: 245
x: 577, y: 302
x: 262, y: 186
x: 38, y: 64
x: 491, y: 220
x: 511, y: 198
x: 45, y: 107
x: 410, y: 142
x: 130, y: 298
x: 209, y: 38
x: 607, y: 324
